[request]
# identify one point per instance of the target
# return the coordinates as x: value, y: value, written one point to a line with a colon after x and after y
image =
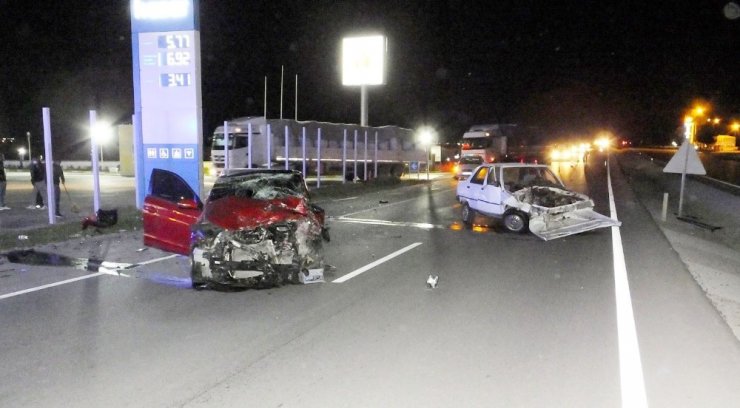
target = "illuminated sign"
x: 363, y: 60
x: 167, y: 90
x: 160, y: 9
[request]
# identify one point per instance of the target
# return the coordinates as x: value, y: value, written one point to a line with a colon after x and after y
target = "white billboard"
x: 363, y: 60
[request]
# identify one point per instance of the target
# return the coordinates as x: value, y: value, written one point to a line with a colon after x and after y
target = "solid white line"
x: 51, y: 285
x: 164, y: 258
x: 630, y: 365
x: 376, y: 263
x: 421, y: 225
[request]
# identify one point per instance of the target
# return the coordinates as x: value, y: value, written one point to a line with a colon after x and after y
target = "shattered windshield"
x: 258, y: 186
x: 236, y: 141
x: 517, y: 178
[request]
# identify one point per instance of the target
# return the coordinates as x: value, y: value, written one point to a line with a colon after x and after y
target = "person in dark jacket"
x: 58, y: 175
x: 39, y: 184
x: 3, y: 183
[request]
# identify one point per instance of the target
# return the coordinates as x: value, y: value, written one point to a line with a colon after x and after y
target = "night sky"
x: 569, y: 67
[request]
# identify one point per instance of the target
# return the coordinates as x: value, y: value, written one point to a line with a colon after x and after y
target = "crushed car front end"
x: 556, y: 213
x: 260, y: 257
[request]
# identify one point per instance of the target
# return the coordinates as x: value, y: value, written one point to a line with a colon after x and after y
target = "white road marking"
x: 164, y: 258
x: 103, y: 269
x: 630, y: 364
x: 346, y: 199
x: 51, y: 285
x: 421, y: 225
x: 376, y: 263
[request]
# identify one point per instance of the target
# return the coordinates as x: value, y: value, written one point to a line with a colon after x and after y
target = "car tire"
x: 468, y: 214
x: 516, y: 221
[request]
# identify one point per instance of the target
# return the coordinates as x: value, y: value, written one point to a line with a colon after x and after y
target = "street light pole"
x: 28, y: 138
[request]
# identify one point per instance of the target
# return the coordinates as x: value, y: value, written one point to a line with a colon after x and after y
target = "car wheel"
x: 468, y: 214
x: 515, y: 221
x: 196, y: 274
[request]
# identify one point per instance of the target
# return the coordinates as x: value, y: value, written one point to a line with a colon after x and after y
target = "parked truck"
x: 508, y: 142
x: 352, y: 150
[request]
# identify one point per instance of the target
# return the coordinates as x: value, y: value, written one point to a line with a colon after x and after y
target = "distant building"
x: 724, y: 143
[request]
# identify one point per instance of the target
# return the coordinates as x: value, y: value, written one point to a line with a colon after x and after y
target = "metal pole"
x: 282, y: 71
x: 344, y: 157
x: 375, y: 159
x: 683, y: 179
x: 249, y: 148
x: 363, y: 105
x: 287, y: 150
x: 364, y: 159
x: 303, y: 147
x: 265, y: 98
x: 354, y: 147
x: 269, y: 147
x: 28, y: 136
x: 227, y: 162
x: 94, y: 156
x: 296, y: 97
x: 50, y: 196
x: 318, y: 160
x: 427, y: 162
x: 138, y: 171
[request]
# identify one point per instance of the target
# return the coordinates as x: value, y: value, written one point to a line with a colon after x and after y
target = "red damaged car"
x: 257, y: 228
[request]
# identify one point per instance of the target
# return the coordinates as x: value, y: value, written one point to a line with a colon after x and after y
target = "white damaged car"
x: 528, y: 197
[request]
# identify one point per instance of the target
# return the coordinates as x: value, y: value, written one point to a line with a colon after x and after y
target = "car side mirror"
x: 188, y: 204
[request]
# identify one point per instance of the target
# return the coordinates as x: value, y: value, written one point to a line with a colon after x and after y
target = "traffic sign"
x: 686, y: 160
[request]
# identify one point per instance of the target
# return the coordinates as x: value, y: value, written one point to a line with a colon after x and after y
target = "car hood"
x: 235, y: 213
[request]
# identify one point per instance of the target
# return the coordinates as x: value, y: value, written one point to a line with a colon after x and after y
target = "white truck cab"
x: 528, y: 196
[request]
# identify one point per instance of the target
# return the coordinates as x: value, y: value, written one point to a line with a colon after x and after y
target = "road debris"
x: 432, y: 281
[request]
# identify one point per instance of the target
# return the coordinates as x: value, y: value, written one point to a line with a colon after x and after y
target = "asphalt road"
x: 515, y: 321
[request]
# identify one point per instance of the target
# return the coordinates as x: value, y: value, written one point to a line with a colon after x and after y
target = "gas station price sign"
x: 167, y: 90
x: 168, y: 70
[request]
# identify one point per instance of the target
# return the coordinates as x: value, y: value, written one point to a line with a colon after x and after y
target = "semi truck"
x: 507, y: 142
x: 356, y: 152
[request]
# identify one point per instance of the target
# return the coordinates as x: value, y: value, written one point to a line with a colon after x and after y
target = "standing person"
x: 3, y: 183
x: 57, y: 177
x: 39, y: 184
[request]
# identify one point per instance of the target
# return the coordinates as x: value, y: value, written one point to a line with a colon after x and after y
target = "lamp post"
x: 28, y: 138
x: 426, y: 136
x: 102, y: 133
x: 734, y: 128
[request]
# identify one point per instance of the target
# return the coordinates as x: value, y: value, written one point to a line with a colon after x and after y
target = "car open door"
x: 170, y: 208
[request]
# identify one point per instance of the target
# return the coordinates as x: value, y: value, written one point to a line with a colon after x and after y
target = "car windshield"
x: 516, y: 178
x: 471, y: 160
x: 258, y: 186
x: 236, y: 141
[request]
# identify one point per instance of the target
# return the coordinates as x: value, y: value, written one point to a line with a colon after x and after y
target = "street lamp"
x: 426, y: 136
x: 735, y: 127
x: 102, y: 132
x: 21, y: 154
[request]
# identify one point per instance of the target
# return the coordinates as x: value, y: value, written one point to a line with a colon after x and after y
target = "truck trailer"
x: 356, y: 152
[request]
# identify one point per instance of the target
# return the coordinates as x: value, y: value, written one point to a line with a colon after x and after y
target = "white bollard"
x: 665, y: 207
